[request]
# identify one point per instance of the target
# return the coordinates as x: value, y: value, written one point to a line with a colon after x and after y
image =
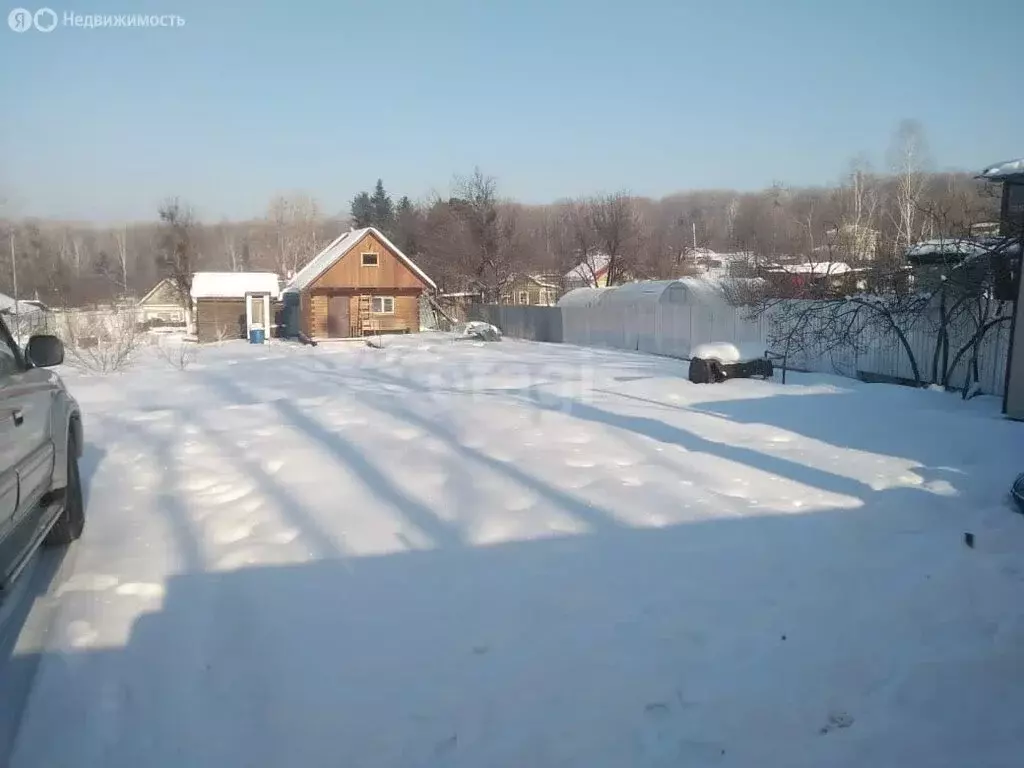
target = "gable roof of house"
x: 166, y: 282
x: 589, y: 269
x: 337, y: 250
x: 233, y: 285
x: 538, y: 280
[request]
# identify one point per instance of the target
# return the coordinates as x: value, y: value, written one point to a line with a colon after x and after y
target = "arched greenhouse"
x: 664, y: 317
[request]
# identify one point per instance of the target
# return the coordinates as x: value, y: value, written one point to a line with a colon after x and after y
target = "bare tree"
x: 491, y: 230
x: 615, y: 229
x: 295, y: 221
x: 121, y: 241
x: 908, y: 160
x: 177, y: 253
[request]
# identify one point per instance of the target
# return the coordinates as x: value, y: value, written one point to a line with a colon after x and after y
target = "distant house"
x: 9, y: 306
x: 26, y: 316
x: 456, y: 305
x: 229, y: 305
x: 530, y: 290
x: 163, y: 304
x: 835, y: 277
x: 361, y: 283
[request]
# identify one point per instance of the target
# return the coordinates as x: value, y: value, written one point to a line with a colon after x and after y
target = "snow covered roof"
x: 1004, y: 170
x: 542, y: 282
x: 233, y: 285
x: 815, y: 268
x: 701, y: 253
x: 337, y: 249
x: 960, y: 249
x: 9, y: 306
x: 586, y: 270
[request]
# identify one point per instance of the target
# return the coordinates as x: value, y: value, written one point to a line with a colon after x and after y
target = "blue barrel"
x: 257, y: 335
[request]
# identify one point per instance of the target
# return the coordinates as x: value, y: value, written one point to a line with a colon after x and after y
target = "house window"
x: 383, y: 305
x: 370, y: 259
x: 524, y: 297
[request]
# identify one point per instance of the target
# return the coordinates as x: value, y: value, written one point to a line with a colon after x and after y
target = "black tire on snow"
x: 72, y: 518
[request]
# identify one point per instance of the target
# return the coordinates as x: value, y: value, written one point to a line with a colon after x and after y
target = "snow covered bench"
x: 715, y: 362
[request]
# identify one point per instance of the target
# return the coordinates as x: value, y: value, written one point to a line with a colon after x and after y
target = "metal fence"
x: 672, y: 329
x: 533, y: 323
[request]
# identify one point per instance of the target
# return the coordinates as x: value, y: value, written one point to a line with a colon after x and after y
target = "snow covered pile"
x: 476, y: 329
x: 728, y: 352
x: 533, y: 555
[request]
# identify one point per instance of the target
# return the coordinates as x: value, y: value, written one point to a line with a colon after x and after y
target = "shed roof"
x: 1006, y: 170
x: 337, y: 249
x: 233, y: 285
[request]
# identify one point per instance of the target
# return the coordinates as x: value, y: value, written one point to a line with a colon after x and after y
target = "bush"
x: 101, y: 341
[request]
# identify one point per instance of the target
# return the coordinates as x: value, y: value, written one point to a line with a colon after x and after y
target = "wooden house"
x: 359, y: 284
x: 162, y: 304
x: 228, y: 305
x: 530, y: 290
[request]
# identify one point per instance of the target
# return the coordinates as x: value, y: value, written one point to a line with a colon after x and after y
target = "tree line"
x: 475, y: 239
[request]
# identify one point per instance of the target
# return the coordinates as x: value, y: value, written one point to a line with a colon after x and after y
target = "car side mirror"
x: 44, y: 351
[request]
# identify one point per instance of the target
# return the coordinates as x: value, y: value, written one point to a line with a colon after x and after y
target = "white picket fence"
x: 673, y: 328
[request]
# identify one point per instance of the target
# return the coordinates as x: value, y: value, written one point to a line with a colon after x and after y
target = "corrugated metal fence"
x: 672, y: 329
x: 533, y: 323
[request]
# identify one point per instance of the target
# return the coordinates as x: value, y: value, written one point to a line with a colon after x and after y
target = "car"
x: 41, y: 500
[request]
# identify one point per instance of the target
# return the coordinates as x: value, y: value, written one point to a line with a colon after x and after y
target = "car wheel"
x: 72, y: 518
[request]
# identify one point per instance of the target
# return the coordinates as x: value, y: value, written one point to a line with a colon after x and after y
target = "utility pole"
x: 14, y: 275
x: 694, y: 225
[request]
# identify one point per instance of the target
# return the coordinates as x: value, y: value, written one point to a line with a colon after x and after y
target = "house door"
x: 337, y: 317
x: 257, y: 312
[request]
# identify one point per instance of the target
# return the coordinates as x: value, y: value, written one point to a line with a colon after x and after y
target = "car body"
x: 40, y: 443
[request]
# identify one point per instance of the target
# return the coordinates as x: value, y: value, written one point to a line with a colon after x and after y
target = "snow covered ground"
x: 516, y: 554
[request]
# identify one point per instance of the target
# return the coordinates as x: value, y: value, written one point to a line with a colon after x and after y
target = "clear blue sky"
x: 553, y: 97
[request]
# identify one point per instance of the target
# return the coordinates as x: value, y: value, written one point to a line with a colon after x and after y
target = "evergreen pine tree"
x: 383, y: 209
x: 362, y: 211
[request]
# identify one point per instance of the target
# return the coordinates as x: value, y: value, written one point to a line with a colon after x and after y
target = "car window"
x: 10, y: 360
